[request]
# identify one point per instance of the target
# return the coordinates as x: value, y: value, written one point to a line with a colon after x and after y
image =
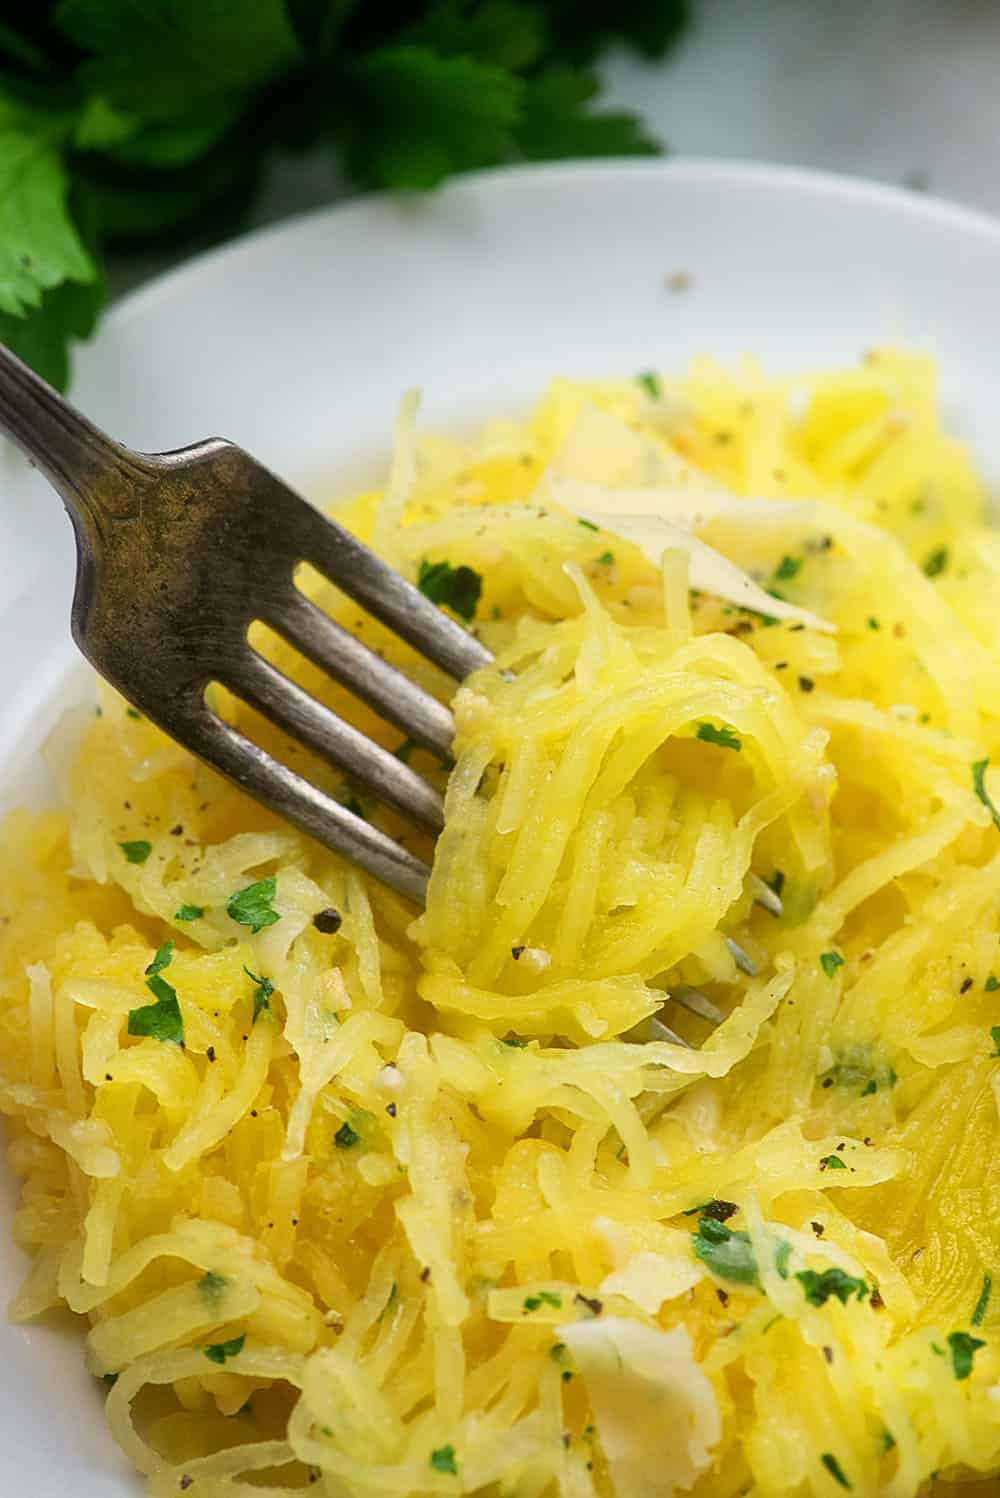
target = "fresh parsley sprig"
x: 125, y: 125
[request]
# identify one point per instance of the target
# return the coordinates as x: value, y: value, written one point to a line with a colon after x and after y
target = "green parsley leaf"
x: 861, y: 1066
x: 162, y: 1020
x: 650, y: 382
x: 995, y: 1032
x: 164, y: 957
x: 458, y: 587
x: 166, y: 58
x: 723, y: 737
x: 110, y: 1379
x: 832, y: 1162
x: 557, y: 122
x: 443, y: 1460
x: 983, y: 1301
x: 413, y: 116
x: 189, y: 913
x: 542, y: 1298
x: 963, y: 1349
x: 936, y: 563
x: 830, y: 961
x: 888, y: 1440
x: 834, y: 1468
x: 782, y: 1254
x: 252, y: 906
x: 818, y: 1288
x: 136, y: 852
x: 261, y: 994
x: 41, y: 335
x: 346, y: 1137
x: 606, y: 559
x: 219, y: 1352
x: 992, y: 983
x: 726, y: 1252
x: 505, y: 32
x: 787, y: 568
x: 212, y: 1287
x: 40, y: 246
x: 588, y: 525
x: 872, y: 622
x: 979, y: 786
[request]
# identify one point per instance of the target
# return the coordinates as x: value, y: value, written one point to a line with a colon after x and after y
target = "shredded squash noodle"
x: 465, y: 1200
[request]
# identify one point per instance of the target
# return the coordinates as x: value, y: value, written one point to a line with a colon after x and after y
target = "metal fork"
x: 178, y: 554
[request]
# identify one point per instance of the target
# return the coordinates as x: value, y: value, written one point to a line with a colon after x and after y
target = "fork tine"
x: 696, y: 1002
x: 369, y: 580
x: 392, y: 694
x: 265, y: 688
x: 297, y: 800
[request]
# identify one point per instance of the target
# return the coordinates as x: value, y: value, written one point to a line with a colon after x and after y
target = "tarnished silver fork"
x: 178, y: 554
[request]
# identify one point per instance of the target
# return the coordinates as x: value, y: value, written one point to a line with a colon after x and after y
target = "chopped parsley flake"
x: 782, y: 1254
x: 834, y: 1468
x: 458, y: 587
x: 218, y: 1352
x: 587, y: 524
x: 830, y: 961
x: 212, y: 1286
x: 729, y: 1253
x: 346, y: 1137
x: 261, y: 994
x: 162, y: 1020
x: 189, y: 913
x: 936, y: 563
x: 443, y: 1460
x: 872, y: 622
x: 992, y: 983
x: 862, y: 1067
x: 252, y: 906
x: 995, y: 1032
x: 723, y: 737
x: 542, y: 1298
x: 979, y: 786
x: 787, y: 568
x: 136, y: 852
x: 832, y: 1162
x: 606, y: 558
x: 131, y: 712
x: 650, y: 382
x: 164, y: 957
x: 963, y: 1349
x: 983, y: 1301
x: 110, y: 1379
x: 818, y: 1288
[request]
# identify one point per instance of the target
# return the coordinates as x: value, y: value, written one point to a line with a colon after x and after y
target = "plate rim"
x: 718, y: 170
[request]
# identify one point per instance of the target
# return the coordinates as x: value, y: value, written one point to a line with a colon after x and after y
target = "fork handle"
x: 96, y: 478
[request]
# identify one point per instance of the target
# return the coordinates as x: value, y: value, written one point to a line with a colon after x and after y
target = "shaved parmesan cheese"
x: 652, y: 1263
x: 655, y: 1411
x: 649, y: 1279
x: 653, y: 533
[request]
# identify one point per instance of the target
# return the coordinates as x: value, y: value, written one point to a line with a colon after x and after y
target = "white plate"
x: 298, y: 342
